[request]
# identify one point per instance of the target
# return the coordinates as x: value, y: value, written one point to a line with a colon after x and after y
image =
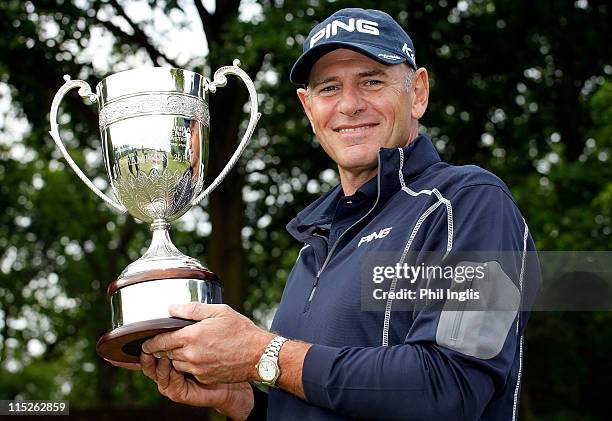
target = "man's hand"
x: 222, y: 347
x: 233, y: 400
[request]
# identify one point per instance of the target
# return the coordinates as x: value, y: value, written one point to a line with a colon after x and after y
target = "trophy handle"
x: 219, y: 80
x: 84, y: 91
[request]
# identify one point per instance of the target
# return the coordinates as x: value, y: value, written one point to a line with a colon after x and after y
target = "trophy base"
x: 124, y: 344
x: 139, y: 308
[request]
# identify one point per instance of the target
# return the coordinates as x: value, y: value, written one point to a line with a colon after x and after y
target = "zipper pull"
x: 314, y: 286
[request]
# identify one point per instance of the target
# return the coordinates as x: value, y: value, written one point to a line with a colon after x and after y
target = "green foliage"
x: 524, y: 90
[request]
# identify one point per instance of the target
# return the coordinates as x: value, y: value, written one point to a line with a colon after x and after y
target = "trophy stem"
x: 161, y: 254
x: 161, y: 245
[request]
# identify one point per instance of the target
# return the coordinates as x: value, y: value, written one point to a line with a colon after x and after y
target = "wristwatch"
x: 267, y: 367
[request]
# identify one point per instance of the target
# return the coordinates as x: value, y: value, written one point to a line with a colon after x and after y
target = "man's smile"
x: 354, y: 128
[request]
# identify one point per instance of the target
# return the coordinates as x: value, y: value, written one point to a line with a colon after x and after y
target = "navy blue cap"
x: 371, y: 32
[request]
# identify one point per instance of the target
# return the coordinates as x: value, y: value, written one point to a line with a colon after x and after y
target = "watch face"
x: 267, y: 370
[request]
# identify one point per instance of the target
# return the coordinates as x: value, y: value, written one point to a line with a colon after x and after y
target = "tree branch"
x: 227, y: 8
x: 139, y: 35
x: 206, y: 18
x: 213, y: 24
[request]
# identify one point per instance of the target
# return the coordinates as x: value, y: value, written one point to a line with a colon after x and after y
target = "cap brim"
x: 301, y: 68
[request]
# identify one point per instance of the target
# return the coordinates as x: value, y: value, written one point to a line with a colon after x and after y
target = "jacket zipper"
x: 316, y: 281
x: 454, y: 336
x: 457, y: 322
x: 314, y: 286
x: 331, y: 251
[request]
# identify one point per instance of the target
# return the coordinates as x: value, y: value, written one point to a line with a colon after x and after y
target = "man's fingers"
x: 162, y: 354
x: 182, y: 366
x: 189, y: 311
x: 197, y: 311
x: 178, y: 388
x: 162, y: 372
x: 163, y: 342
x: 177, y: 379
x: 176, y: 339
x: 129, y: 366
x: 188, y: 369
x: 149, y: 365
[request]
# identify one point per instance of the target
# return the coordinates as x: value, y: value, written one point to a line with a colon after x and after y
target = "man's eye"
x: 373, y: 82
x: 328, y: 89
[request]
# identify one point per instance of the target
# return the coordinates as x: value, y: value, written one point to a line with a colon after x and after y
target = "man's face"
x: 357, y: 105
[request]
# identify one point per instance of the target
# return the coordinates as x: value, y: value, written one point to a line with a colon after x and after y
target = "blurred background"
x: 521, y: 88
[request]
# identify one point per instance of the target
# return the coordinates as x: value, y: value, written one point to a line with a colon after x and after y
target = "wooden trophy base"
x: 139, y: 308
x: 124, y: 344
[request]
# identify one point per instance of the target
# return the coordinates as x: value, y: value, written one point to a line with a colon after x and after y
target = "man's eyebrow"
x: 324, y: 80
x: 372, y: 72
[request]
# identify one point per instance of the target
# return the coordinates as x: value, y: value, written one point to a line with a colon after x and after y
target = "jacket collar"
x: 418, y: 156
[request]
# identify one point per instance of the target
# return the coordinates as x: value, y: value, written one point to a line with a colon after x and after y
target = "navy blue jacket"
x: 423, y: 364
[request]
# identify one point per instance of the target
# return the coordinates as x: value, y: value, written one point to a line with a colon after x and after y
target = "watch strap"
x: 273, y: 348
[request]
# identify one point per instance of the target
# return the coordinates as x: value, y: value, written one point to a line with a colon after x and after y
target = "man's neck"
x: 352, y: 181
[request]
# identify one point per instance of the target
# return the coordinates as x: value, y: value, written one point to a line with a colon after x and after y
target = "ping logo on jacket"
x: 375, y: 236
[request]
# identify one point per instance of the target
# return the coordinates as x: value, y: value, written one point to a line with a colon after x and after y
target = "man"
x: 364, y: 94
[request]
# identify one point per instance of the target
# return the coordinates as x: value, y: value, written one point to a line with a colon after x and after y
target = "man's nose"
x: 351, y: 102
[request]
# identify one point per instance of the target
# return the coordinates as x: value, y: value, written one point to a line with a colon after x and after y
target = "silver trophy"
x: 154, y: 125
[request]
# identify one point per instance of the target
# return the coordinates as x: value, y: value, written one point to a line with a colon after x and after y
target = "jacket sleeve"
x: 428, y: 375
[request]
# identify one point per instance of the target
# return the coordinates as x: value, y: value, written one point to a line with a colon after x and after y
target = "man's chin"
x: 359, y: 163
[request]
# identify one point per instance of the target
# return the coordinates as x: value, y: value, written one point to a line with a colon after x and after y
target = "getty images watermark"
x: 465, y: 273
x: 477, y: 281
x: 486, y: 281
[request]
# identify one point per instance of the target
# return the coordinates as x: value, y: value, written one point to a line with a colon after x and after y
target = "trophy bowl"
x: 154, y: 127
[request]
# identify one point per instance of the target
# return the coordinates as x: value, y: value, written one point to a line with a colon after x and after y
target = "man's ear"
x: 420, y: 92
x: 303, y: 96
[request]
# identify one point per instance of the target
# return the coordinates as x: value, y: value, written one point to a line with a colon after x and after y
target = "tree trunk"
x: 226, y: 256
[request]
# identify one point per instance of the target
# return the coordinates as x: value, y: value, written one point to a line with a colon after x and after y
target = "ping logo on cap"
x: 408, y: 51
x: 331, y: 29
